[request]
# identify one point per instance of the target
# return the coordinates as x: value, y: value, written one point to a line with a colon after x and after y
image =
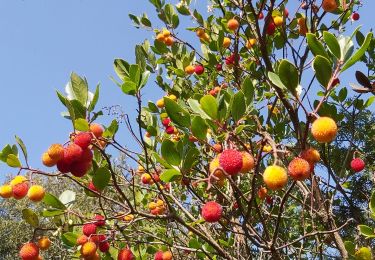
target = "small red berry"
x: 169, y: 130
x: 212, y: 211
x: 199, y: 69
x: 219, y: 67
x: 355, y: 16
x: 357, y: 164
x: 166, y: 122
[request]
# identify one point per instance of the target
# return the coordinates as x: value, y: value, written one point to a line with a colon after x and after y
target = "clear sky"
x: 43, y: 41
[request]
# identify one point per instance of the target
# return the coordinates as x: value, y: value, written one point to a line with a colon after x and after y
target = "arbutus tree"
x: 256, y: 150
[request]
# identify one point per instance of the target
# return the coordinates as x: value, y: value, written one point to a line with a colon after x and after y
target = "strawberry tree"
x: 246, y: 153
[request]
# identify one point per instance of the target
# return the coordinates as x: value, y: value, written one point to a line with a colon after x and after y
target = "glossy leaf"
x: 199, y: 128
x: 81, y: 124
x: 209, y: 106
x: 358, y: 54
x: 22, y: 146
x: 288, y: 74
x: 101, y: 178
x: 78, y: 88
x: 366, y: 231
x: 69, y: 238
x: 177, y: 114
x: 316, y: 46
x: 332, y: 43
x: 238, y: 106
x: 13, y: 161
x: 170, y: 153
x: 30, y: 217
x: 170, y: 175
x: 52, y: 201
x: 323, y: 70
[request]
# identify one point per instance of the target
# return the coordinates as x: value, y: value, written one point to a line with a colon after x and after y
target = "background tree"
x: 247, y: 154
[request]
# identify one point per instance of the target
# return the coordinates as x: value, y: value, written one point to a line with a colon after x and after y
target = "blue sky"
x: 43, y: 41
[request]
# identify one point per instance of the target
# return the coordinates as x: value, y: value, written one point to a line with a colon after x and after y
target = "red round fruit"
x: 89, y: 229
x: 125, y: 254
x: 169, y: 130
x: 212, y: 211
x: 63, y: 165
x: 166, y: 122
x: 299, y: 169
x: 231, y: 161
x: 286, y: 12
x: 83, y: 139
x: 29, y: 251
x: 72, y: 153
x: 357, y: 164
x: 99, y: 220
x: 158, y: 255
x: 79, y: 169
x: 199, y: 69
x: 20, y: 190
x: 260, y: 16
x: 219, y: 67
x: 355, y: 16
x: 104, y: 246
x: 271, y: 28
x: 87, y: 155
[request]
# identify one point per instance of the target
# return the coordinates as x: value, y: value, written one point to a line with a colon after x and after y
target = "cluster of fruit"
x: 165, y: 37
x: 157, y: 208
x: 19, y: 187
x: 76, y: 157
x: 160, y: 255
x: 30, y: 251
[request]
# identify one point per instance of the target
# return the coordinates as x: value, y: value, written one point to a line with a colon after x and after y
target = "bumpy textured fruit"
x: 262, y: 193
x: 72, y: 153
x: 364, y: 253
x: 166, y: 121
x: 89, y: 229
x: 83, y: 139
x: 247, y: 162
x: 20, y: 190
x: 199, y: 69
x: 357, y: 164
x: 170, y: 130
x: 250, y: 43
x: 271, y: 28
x: 104, y: 246
x: 355, y: 16
x: 311, y: 155
x: 146, y: 178
x: 329, y: 5
x: 17, y: 180
x: 189, y: 69
x: 63, y: 165
x: 82, y: 239
x: 233, y: 24
x: 80, y: 168
x: 231, y: 161
x: 97, y: 130
x: 158, y: 255
x: 226, y: 42
x: 169, y: 41
x: 214, y: 165
x: 324, y: 129
x: 99, y: 220
x: 302, y: 27
x: 86, y: 155
x: 299, y: 169
x: 160, y: 103
x: 160, y: 37
x: 36, y: 193
x: 275, y: 177
x: 88, y: 249
x: 56, y: 152
x: 29, y: 251
x: 212, y: 211
x: 167, y: 255
x: 125, y: 254
x: 44, y: 243
x: 47, y: 160
x: 6, y: 191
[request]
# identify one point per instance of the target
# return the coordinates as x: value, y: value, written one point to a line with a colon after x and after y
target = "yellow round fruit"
x: 160, y: 103
x: 173, y: 97
x: 36, y: 193
x: 160, y: 37
x: 189, y: 69
x: 250, y: 43
x: 226, y: 42
x: 247, y: 162
x: 128, y: 217
x: 152, y: 205
x: 88, y: 249
x: 213, y: 167
x: 159, y: 203
x: 275, y: 177
x: 44, y: 243
x: 166, y: 33
x: 233, y: 24
x: 267, y: 148
x: 311, y: 155
x: 17, y: 180
x: 6, y: 191
x: 48, y: 161
x: 324, y: 129
x: 56, y: 152
x: 278, y: 21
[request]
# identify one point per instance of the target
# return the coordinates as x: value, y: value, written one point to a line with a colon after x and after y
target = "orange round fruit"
x: 97, y: 130
x: 275, y: 177
x: 233, y: 24
x: 278, y: 21
x: 88, y: 249
x: 189, y: 69
x: 311, y: 155
x: 36, y: 193
x: 56, y: 152
x: 44, y: 243
x: 247, y: 162
x: 6, y: 191
x: 299, y: 169
x: 329, y: 5
x: 250, y: 43
x: 29, y: 251
x: 324, y: 129
x: 226, y: 42
x: 47, y: 160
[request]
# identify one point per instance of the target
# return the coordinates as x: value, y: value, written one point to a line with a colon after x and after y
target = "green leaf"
x: 332, y: 43
x: 275, y: 79
x: 177, y: 114
x: 288, y: 74
x: 199, y: 128
x: 372, y: 203
x: 52, y: 212
x: 13, y: 161
x: 79, y: 88
x: 209, y: 105
x: 316, y: 46
x: 68, y: 105
x: 5, y: 152
x: 111, y: 130
x: 52, y: 201
x: 30, y: 217
x: 81, y: 124
x: 121, y: 68
x: 22, y: 146
x: 238, y: 106
x: 248, y: 90
x: 67, y: 197
x: 323, y: 70
x: 350, y: 247
x: 170, y: 153
x: 190, y: 158
x: 170, y: 175
x: 195, y: 106
x: 69, y: 238
x: 101, y: 178
x: 359, y: 53
x: 94, y: 99
x: 366, y: 231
